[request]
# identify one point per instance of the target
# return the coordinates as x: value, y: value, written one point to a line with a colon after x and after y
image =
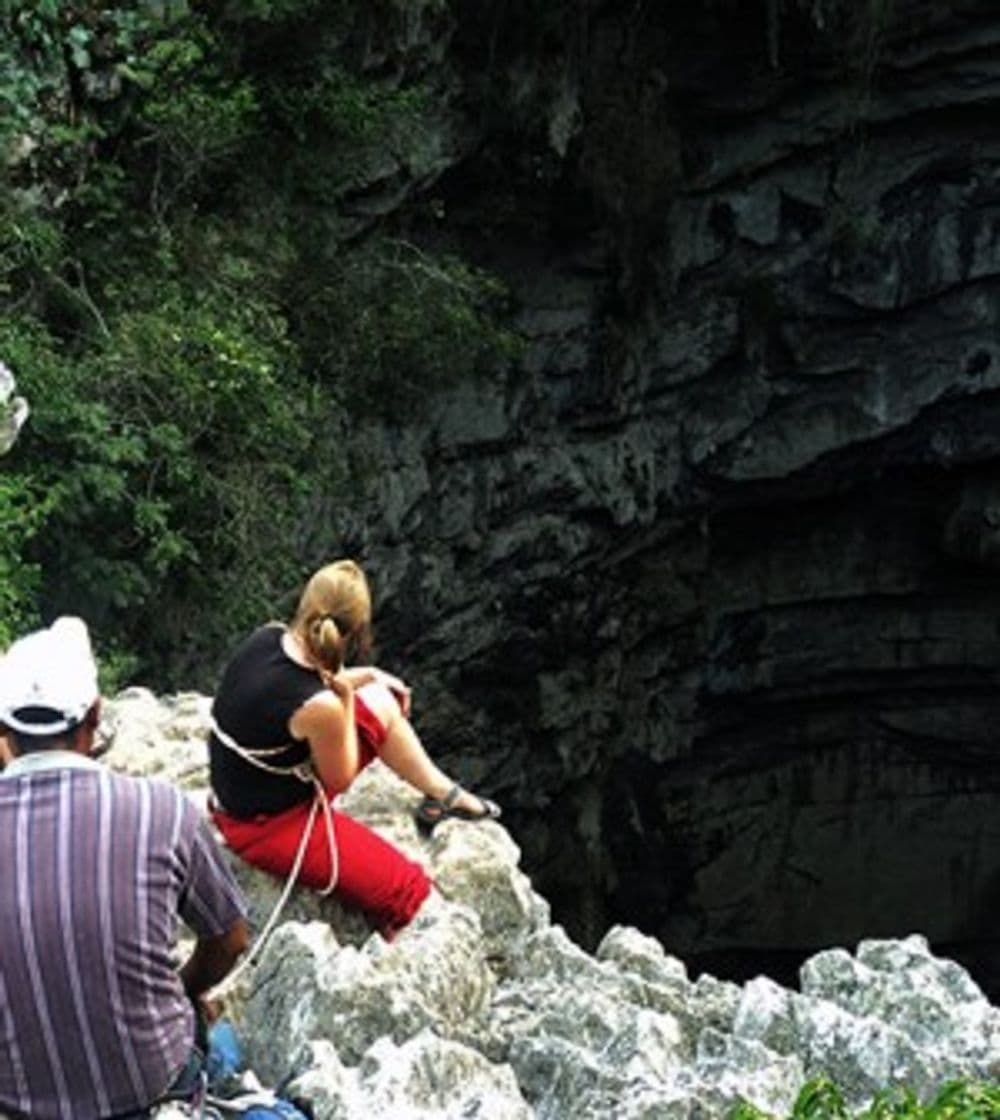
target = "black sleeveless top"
x: 260, y: 689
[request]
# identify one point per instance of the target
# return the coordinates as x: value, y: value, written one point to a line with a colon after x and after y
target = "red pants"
x: 372, y: 874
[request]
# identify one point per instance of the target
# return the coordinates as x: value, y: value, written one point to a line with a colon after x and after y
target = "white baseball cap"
x: 48, y: 679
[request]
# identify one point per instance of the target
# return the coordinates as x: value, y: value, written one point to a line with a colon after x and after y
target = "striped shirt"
x: 98, y: 869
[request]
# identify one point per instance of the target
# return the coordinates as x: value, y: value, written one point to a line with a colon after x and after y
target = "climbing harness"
x: 305, y: 772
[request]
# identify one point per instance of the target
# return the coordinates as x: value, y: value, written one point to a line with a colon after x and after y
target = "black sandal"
x: 433, y: 810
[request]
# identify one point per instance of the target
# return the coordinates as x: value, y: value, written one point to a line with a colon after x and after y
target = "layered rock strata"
x: 704, y: 586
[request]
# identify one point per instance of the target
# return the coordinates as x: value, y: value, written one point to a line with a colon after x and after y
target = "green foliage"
x: 115, y: 668
x: 168, y: 455
x: 22, y: 513
x: 30, y: 64
x: 27, y: 241
x: 334, y: 99
x: 196, y: 114
x: 820, y: 1099
x: 48, y: 48
x: 394, y: 324
x: 190, y: 311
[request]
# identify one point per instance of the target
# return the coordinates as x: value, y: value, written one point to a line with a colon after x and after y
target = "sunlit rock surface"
x: 483, y: 1007
x: 13, y: 410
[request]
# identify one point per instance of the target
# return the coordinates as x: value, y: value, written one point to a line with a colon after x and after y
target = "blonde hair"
x: 334, y: 609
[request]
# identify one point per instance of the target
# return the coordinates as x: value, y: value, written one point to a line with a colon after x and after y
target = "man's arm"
x: 212, y: 958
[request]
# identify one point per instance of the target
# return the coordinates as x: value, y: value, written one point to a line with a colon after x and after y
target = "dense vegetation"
x: 222, y: 239
x: 193, y: 306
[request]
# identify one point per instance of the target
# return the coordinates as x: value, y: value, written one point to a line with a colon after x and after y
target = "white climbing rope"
x: 305, y: 772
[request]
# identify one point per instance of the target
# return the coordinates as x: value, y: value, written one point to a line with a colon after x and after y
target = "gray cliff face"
x: 704, y: 586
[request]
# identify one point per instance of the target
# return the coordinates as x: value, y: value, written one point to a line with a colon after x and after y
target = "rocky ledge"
x: 483, y: 1007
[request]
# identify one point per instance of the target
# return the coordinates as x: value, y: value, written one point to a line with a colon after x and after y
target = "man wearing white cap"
x: 96, y: 1021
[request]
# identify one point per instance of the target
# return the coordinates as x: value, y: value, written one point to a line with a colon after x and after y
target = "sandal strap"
x: 451, y: 796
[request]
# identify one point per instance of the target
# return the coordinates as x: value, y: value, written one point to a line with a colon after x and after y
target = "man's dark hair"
x: 25, y: 743
x: 30, y: 744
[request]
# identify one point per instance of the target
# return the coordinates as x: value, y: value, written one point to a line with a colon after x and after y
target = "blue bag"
x: 226, y: 1097
x: 280, y: 1108
x: 225, y: 1057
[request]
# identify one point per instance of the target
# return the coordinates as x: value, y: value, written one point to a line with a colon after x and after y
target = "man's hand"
x: 212, y: 958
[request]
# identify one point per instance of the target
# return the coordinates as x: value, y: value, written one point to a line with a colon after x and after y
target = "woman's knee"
x: 380, y: 702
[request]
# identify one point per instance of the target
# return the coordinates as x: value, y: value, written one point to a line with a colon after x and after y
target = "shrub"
x: 188, y: 312
x: 820, y: 1099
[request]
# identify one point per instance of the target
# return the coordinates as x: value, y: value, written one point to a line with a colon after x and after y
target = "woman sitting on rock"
x: 292, y: 726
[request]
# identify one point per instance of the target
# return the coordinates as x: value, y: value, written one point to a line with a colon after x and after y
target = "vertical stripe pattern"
x: 93, y: 1018
x: 81, y: 1019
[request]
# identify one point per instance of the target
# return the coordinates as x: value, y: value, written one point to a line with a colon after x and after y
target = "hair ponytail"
x: 334, y: 611
x: 326, y: 643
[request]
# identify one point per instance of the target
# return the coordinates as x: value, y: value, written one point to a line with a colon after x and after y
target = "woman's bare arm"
x: 360, y: 675
x: 326, y: 722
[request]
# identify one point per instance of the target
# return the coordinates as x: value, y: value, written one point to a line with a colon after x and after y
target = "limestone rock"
x: 13, y: 410
x: 307, y: 986
x: 426, y: 1077
x: 159, y: 738
x: 482, y: 1007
